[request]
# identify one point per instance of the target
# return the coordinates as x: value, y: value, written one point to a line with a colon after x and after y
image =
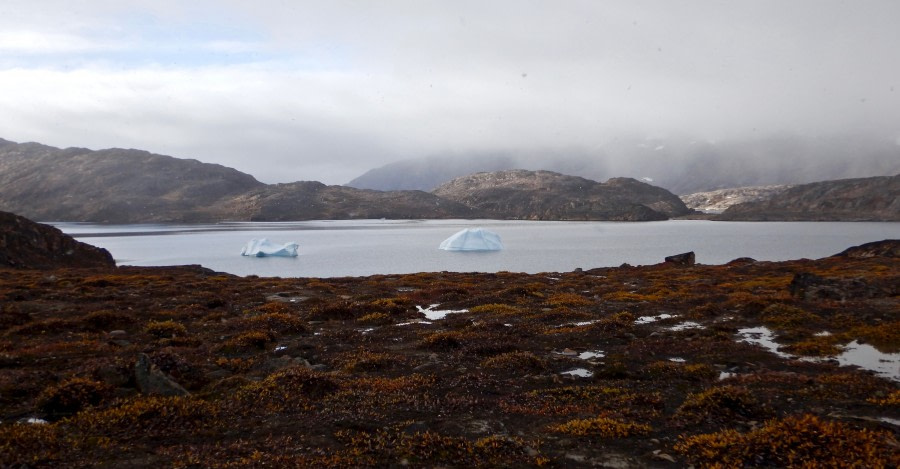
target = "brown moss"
x: 71, y: 396
x: 601, y: 427
x: 800, y: 441
x: 718, y: 403
x: 167, y: 328
x: 785, y: 316
x: 521, y: 361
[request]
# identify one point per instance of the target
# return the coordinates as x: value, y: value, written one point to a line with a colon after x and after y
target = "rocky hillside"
x: 545, y: 195
x: 864, y: 199
x: 114, y: 185
x: 133, y: 186
x: 718, y: 201
x: 25, y: 244
x: 309, y: 200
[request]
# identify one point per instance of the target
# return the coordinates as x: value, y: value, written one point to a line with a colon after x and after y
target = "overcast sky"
x: 292, y: 90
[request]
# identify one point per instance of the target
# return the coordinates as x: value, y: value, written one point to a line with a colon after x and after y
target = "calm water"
x: 366, y: 247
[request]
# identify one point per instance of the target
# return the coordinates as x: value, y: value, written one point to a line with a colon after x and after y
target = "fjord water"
x: 368, y: 247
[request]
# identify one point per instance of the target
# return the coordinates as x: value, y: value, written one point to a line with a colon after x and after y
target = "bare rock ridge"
x: 25, y: 244
x: 719, y: 200
x: 132, y: 186
x: 545, y: 195
x: 863, y: 199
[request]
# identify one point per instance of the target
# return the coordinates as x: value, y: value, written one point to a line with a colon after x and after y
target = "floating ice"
x: 579, y: 372
x: 434, y: 315
x: 264, y: 248
x: 472, y: 239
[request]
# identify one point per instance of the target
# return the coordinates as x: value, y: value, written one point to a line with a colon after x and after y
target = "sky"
x: 297, y: 90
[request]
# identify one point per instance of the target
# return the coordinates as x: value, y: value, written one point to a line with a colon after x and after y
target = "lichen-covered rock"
x: 25, y: 244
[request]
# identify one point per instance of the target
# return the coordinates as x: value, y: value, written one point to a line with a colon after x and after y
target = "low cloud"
x: 304, y: 91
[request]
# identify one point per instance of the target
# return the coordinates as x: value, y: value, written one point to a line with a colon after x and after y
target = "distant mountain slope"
x: 875, y: 198
x: 718, y: 201
x: 427, y: 173
x: 545, y: 195
x: 310, y: 200
x: 115, y: 185
x: 681, y: 165
x: 25, y: 244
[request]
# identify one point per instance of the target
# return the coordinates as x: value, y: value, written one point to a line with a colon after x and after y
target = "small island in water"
x: 745, y: 364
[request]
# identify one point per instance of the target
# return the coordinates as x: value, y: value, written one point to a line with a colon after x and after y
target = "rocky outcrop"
x: 719, y: 200
x: 310, y: 200
x: 25, y: 244
x: 864, y: 199
x: 151, y: 380
x: 545, y: 195
x: 683, y: 259
x: 886, y: 248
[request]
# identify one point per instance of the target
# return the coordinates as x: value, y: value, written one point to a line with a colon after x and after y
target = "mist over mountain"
x: 680, y: 164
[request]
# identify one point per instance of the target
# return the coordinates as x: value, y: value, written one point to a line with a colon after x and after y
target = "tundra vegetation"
x: 346, y: 372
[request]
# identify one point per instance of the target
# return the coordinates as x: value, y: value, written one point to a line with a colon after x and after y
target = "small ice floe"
x: 649, y: 319
x: 579, y: 372
x: 434, y: 314
x: 414, y: 321
x: 685, y: 326
x: 677, y: 360
x: 886, y: 365
x: 591, y: 354
x: 265, y: 248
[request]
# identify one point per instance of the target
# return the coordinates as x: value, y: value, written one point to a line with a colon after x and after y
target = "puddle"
x: 591, y: 354
x: 685, y: 326
x: 649, y: 319
x: 885, y: 365
x: 763, y: 337
x: 579, y: 372
x: 434, y: 315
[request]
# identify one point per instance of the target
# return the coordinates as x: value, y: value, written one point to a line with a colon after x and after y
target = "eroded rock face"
x: 25, y: 244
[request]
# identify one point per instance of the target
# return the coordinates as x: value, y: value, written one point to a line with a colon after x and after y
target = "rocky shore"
x: 744, y: 364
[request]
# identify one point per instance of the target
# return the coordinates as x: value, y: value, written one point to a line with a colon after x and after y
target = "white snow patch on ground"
x: 579, y: 372
x: 649, y: 319
x: 685, y: 326
x: 591, y: 354
x: 435, y: 314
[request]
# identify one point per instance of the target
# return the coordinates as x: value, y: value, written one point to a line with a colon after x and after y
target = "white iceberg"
x: 472, y: 239
x: 264, y: 248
